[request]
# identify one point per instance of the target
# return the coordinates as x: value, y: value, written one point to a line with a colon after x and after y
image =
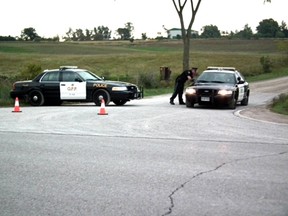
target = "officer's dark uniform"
x: 179, y: 86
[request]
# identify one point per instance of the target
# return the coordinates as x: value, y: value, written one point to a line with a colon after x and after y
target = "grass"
x: 120, y: 57
x: 153, y: 92
x: 5, y: 87
x: 139, y: 62
x: 280, y: 104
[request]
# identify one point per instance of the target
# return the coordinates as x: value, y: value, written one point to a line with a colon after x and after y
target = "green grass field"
x: 139, y: 62
x: 123, y: 57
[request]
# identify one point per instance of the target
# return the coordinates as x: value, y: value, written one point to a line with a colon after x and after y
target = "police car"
x: 223, y: 86
x: 68, y: 83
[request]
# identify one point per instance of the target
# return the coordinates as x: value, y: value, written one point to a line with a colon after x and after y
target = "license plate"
x: 205, y: 99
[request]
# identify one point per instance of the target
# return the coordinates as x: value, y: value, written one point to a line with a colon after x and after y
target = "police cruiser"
x: 218, y: 86
x: 68, y: 83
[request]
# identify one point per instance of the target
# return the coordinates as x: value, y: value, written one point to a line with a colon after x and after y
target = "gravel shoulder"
x: 262, y: 112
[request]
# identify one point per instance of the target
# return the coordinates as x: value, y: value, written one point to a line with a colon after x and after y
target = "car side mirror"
x: 78, y: 80
x: 240, y: 81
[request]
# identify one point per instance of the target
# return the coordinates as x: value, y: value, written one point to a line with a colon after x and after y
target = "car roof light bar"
x: 68, y: 67
x: 221, y: 68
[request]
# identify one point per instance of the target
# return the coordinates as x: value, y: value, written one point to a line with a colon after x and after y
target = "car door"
x: 240, y: 86
x: 72, y: 87
x: 49, y: 85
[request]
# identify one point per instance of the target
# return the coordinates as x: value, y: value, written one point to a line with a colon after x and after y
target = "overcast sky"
x: 55, y: 17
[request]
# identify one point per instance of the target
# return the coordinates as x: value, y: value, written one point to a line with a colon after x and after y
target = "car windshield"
x: 216, y: 77
x: 87, y: 75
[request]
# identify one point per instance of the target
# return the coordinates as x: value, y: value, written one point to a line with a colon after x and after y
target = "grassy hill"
x: 139, y: 62
x: 118, y: 58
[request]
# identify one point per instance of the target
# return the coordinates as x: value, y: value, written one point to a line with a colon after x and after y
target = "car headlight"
x: 225, y: 92
x: 119, y: 88
x: 190, y: 91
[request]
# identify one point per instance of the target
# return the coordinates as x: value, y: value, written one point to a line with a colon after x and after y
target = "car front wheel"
x: 232, y: 104
x: 189, y: 104
x: 244, y: 102
x: 36, y: 98
x: 101, y: 94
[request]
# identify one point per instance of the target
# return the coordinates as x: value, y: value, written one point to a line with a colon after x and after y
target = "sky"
x: 55, y: 17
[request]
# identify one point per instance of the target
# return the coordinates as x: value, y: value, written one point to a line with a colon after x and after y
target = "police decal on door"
x: 241, y: 92
x: 72, y: 90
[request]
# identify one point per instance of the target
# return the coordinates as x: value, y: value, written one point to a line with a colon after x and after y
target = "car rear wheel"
x: 101, y: 93
x: 36, y: 98
x: 119, y: 102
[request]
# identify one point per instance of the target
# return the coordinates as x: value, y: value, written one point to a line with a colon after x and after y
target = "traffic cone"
x: 16, y: 107
x: 102, y: 108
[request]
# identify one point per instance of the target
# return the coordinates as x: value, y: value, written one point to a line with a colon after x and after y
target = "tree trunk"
x: 186, y: 34
x: 186, y: 52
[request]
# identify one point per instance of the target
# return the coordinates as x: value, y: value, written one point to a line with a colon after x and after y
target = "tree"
x: 102, y: 33
x: 7, y: 38
x: 123, y: 33
x: 186, y: 32
x: 284, y: 29
x: 105, y: 32
x: 130, y: 28
x: 99, y: 33
x: 80, y: 35
x: 144, y: 36
x: 211, y: 31
x: 29, y: 34
x: 246, y: 33
x: 71, y: 36
x: 126, y: 33
x: 268, y: 28
x: 88, y: 35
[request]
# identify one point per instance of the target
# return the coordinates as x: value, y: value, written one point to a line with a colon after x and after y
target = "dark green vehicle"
x: 68, y: 83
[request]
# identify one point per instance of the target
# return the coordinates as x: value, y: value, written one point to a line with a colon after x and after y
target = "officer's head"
x: 194, y: 71
x: 189, y: 74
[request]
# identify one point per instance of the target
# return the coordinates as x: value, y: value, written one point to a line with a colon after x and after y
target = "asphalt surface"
x: 145, y: 158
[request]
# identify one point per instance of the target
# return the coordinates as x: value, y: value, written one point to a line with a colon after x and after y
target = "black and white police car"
x: 223, y: 86
x: 68, y: 83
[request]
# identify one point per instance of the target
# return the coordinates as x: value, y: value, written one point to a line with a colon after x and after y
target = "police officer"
x: 179, y: 85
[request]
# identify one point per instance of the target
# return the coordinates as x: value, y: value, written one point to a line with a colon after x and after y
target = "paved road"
x: 145, y: 158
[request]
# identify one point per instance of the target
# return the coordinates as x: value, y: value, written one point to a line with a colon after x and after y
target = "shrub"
x: 31, y: 71
x: 280, y: 104
x: 5, y: 86
x: 149, y: 80
x: 266, y: 64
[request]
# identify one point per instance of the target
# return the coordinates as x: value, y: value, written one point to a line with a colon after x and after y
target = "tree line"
x: 96, y: 34
x: 267, y: 28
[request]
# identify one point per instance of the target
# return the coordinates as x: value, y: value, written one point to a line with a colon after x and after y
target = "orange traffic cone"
x: 16, y: 107
x: 102, y: 108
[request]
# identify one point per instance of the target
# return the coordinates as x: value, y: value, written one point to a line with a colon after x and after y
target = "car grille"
x: 206, y: 92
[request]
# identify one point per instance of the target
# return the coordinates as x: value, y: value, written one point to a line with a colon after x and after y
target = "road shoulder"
x: 263, y: 113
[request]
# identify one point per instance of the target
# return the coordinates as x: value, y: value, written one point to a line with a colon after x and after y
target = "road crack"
x: 170, y: 208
